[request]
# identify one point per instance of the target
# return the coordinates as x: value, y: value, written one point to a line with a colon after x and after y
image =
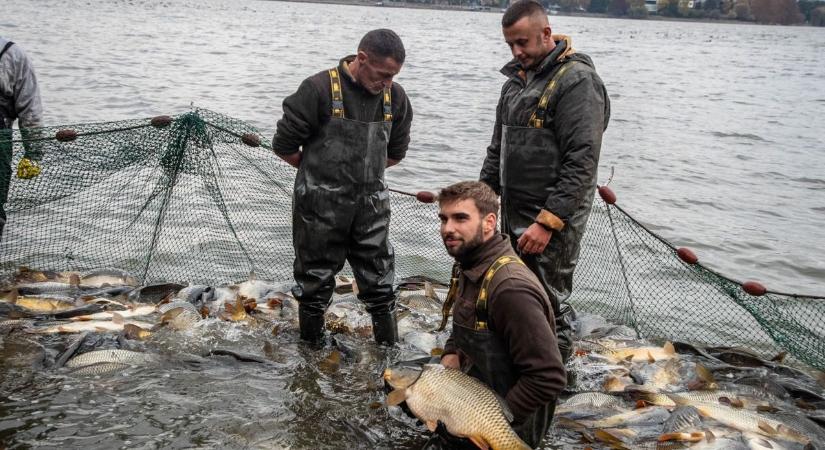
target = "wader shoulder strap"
x: 481, y: 302
x: 6, y: 47
x: 537, y: 119
x: 450, y: 300
x: 338, y: 97
x: 337, y: 94
x: 387, y: 105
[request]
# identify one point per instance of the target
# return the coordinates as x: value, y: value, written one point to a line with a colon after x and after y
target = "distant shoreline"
x: 653, y: 17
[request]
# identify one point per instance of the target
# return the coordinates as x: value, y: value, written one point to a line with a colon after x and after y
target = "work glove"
x: 27, y: 169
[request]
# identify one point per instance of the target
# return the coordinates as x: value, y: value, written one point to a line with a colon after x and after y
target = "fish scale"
x: 744, y: 420
x: 110, y: 356
x: 465, y: 406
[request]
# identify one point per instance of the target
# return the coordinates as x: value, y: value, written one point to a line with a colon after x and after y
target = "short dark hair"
x: 383, y: 43
x: 481, y: 194
x: 519, y: 10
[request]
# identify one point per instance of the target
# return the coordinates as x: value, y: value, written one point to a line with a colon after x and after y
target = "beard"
x: 466, y: 246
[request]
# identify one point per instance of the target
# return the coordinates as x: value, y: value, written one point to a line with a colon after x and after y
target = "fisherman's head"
x: 468, y: 211
x: 380, y: 57
x: 527, y: 32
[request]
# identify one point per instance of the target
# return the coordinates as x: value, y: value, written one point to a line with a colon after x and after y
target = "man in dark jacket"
x: 503, y: 325
x: 19, y: 100
x: 545, y: 151
x: 341, y: 129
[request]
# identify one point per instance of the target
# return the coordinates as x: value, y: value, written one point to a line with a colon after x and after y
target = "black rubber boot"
x: 311, y: 324
x: 384, y: 328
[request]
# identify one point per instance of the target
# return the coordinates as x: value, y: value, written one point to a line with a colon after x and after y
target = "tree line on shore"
x: 782, y: 12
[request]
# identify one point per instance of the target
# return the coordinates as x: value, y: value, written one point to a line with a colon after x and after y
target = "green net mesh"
x: 201, y: 198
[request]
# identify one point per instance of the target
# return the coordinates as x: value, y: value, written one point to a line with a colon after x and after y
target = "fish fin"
x: 101, y: 329
x: 354, y: 287
x: 609, y: 438
x: 396, y: 397
x: 12, y: 296
x: 570, y: 423
x: 678, y: 399
x: 479, y: 442
x: 705, y: 375
x: 429, y: 291
x: 118, y: 318
x: 671, y: 437
x: 766, y: 427
x: 74, y: 280
x: 650, y: 358
x: 504, y: 408
x: 709, y: 436
x: 165, y: 300
x: 669, y: 348
x: 436, y: 351
x: 431, y: 425
x: 780, y: 356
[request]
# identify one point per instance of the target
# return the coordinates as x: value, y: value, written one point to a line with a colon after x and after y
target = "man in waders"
x: 544, y: 152
x: 350, y: 123
x: 503, y: 325
x: 19, y: 100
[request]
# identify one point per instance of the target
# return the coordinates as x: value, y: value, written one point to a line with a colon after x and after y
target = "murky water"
x: 714, y: 136
x: 714, y: 140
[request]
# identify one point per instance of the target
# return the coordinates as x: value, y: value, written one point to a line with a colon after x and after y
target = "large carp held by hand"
x: 465, y: 406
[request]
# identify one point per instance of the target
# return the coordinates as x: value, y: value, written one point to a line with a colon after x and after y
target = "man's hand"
x: 293, y: 159
x: 27, y: 169
x: 534, y: 240
x: 450, y: 361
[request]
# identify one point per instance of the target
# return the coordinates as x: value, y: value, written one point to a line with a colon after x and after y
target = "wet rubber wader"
x: 530, y: 163
x: 341, y: 212
x: 487, y: 359
x: 5, y: 157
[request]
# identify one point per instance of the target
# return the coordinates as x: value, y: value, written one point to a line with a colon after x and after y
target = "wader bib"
x: 341, y: 212
x: 529, y: 168
x: 486, y: 358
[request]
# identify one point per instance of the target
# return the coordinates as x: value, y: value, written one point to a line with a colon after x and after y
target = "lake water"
x: 715, y: 141
x: 715, y: 137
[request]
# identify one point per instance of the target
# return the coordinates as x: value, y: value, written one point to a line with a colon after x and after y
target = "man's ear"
x: 361, y: 56
x: 489, y: 224
x: 547, y: 34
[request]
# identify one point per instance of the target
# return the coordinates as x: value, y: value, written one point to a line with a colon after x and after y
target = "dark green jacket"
x: 578, y: 113
x: 311, y: 106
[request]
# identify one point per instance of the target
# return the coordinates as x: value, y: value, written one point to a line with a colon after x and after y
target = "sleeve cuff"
x: 550, y: 220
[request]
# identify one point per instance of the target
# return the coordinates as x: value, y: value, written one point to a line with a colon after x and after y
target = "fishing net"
x: 201, y: 198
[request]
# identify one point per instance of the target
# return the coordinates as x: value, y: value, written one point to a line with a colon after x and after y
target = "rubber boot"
x: 384, y: 328
x: 311, y: 324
